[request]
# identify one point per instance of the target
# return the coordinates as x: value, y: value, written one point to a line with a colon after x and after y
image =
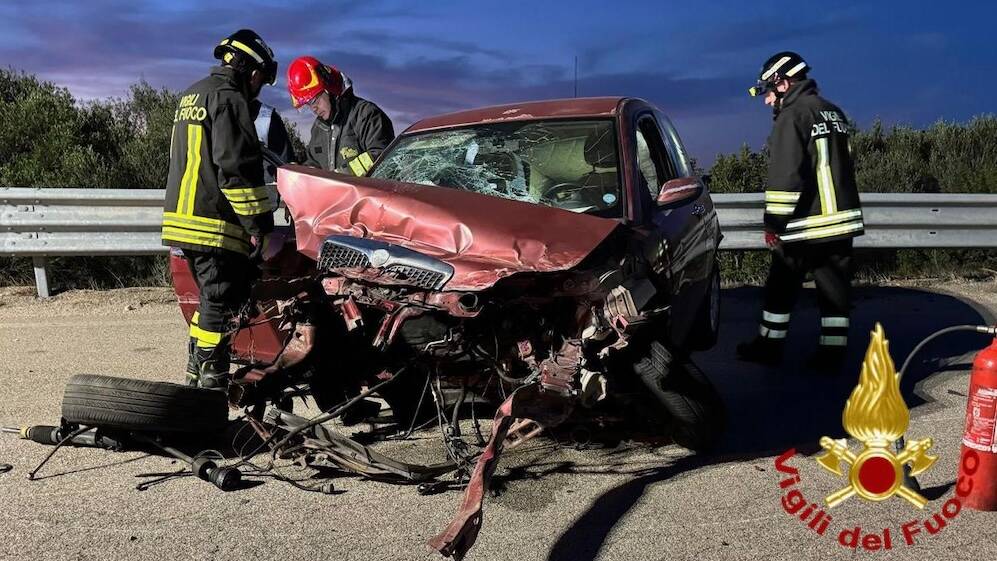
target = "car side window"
x: 646, y: 166
x: 655, y: 166
x: 676, y: 150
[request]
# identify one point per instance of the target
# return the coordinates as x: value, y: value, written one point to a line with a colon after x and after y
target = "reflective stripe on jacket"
x: 811, y: 194
x: 215, y: 197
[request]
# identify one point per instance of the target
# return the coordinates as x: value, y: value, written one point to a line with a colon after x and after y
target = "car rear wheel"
x: 123, y: 403
x: 697, y: 413
x: 706, y: 331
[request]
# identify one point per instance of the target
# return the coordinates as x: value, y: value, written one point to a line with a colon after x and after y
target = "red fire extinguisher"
x: 978, y: 461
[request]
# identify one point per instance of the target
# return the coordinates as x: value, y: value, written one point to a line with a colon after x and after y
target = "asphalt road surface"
x: 631, y: 502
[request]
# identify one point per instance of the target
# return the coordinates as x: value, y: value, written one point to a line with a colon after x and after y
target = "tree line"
x: 49, y: 139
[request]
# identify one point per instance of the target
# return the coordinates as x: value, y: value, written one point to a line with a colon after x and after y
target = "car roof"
x: 549, y: 109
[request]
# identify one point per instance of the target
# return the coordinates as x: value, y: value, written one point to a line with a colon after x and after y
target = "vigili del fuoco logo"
x: 875, y: 415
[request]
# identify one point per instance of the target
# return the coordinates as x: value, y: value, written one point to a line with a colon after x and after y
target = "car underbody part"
x: 225, y: 478
x: 521, y: 432
x: 50, y: 435
x: 349, y: 454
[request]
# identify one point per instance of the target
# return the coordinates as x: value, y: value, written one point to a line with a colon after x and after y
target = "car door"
x: 680, y: 226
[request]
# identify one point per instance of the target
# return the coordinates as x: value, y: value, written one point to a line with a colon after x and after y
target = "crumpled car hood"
x: 484, y: 238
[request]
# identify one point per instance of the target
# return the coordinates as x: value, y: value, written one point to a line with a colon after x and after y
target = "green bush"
x: 47, y: 139
x: 744, y: 172
x: 944, y: 158
x: 89, y: 272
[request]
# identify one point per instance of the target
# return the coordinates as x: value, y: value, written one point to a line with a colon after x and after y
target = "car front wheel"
x: 698, y: 415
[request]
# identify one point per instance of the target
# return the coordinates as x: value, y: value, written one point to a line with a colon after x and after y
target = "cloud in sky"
x: 910, y: 62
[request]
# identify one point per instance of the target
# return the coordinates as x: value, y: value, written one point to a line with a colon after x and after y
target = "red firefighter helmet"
x: 307, y: 78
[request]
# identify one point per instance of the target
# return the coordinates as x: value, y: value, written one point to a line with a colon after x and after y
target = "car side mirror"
x: 679, y: 190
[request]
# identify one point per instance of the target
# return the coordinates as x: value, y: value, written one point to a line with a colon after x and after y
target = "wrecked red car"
x: 552, y: 262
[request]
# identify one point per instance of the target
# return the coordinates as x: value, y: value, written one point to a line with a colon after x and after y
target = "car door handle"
x: 698, y: 210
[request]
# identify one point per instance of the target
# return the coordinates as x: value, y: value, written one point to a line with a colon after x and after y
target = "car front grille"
x: 335, y: 256
x: 395, y: 264
x: 415, y: 276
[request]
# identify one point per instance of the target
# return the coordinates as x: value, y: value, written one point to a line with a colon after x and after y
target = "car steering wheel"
x: 565, y: 187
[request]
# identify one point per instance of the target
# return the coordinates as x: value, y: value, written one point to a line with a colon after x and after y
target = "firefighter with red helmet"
x: 217, y: 209
x: 812, y: 212
x: 349, y: 132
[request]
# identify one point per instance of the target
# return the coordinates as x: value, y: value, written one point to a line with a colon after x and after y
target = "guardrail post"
x: 41, y: 276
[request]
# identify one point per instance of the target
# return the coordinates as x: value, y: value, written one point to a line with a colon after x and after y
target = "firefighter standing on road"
x: 349, y: 132
x: 812, y: 212
x: 217, y: 208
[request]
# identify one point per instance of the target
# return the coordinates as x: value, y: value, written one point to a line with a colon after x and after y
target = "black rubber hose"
x: 418, y: 409
x: 899, y: 444
x: 455, y: 418
x: 985, y: 329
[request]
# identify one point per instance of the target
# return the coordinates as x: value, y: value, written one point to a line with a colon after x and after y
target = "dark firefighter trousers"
x: 830, y: 264
x: 224, y: 281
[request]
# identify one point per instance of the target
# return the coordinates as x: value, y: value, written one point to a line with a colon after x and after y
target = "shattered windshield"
x: 565, y: 164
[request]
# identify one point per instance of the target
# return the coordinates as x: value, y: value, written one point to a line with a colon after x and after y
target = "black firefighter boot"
x: 213, y: 366
x: 193, y: 367
x: 762, y: 350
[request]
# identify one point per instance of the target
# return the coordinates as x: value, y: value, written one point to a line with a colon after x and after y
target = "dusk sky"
x: 907, y: 62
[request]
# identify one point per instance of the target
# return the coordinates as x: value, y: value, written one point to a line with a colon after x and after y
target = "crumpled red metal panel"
x: 529, y: 402
x: 484, y: 238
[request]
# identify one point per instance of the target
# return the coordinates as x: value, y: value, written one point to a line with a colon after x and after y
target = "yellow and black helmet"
x: 786, y: 65
x: 247, y: 45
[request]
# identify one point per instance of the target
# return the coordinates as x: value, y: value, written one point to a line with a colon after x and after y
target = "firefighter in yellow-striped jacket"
x: 812, y: 212
x: 217, y: 209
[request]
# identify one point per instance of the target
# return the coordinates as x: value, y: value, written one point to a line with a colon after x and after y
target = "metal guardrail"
x: 43, y: 223
x: 892, y: 220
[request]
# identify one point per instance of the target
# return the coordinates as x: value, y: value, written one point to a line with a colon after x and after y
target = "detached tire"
x: 127, y: 404
x: 698, y: 416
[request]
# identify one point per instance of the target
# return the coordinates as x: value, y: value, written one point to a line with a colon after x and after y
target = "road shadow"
x: 770, y: 410
x: 583, y: 540
x: 773, y: 409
